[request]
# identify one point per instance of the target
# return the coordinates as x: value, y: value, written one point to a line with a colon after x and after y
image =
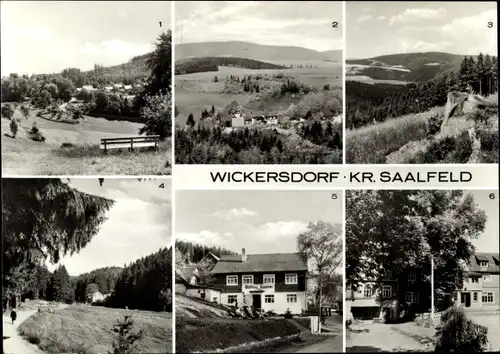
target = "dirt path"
x: 13, y: 343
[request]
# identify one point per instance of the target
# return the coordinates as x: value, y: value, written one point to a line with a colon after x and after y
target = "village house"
x: 271, y: 282
x: 480, y: 291
x: 187, y: 281
x: 237, y: 120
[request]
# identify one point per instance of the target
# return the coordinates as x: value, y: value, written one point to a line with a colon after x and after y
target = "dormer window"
x: 412, y: 278
x: 483, y: 264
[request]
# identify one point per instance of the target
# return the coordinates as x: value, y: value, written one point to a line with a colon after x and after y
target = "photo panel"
x: 87, y: 265
x: 253, y: 268
x: 86, y: 88
x: 421, y: 82
x: 422, y: 265
x: 258, y: 82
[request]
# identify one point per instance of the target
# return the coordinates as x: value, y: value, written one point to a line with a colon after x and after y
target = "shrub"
x: 35, y: 134
x: 457, y: 333
x: 7, y: 111
x: 433, y: 124
x: 326, y: 87
x: 13, y: 127
x: 288, y: 314
x: 480, y: 115
x: 126, y: 336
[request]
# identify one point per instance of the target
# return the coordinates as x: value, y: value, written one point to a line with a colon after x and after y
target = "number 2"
x: 335, y: 24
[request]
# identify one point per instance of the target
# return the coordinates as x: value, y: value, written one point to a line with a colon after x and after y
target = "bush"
x: 13, y: 127
x: 457, y: 333
x: 126, y: 336
x: 483, y: 115
x: 35, y: 134
x: 433, y: 124
x: 288, y: 314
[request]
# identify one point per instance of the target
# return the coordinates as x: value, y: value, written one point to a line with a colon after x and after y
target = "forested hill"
x: 367, y: 103
x: 197, y: 251
x: 189, y: 66
x: 145, y: 284
x: 420, y: 67
x: 252, y: 51
x: 105, y: 279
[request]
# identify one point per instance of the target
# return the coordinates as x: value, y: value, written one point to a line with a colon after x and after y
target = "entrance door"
x: 257, y: 301
x: 465, y: 299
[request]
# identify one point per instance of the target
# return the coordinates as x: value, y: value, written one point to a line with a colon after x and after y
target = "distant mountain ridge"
x: 422, y: 66
x: 253, y: 51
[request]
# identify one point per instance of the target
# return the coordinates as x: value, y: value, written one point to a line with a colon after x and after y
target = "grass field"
x: 193, y: 92
x: 87, y: 329
x: 21, y: 155
x: 371, y: 144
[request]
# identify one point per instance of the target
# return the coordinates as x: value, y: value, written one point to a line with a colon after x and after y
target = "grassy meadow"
x: 86, y: 329
x: 194, y: 92
x: 22, y: 156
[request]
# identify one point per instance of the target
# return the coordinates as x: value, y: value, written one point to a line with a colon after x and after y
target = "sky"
x: 305, y: 24
x: 259, y: 221
x: 379, y: 28
x: 138, y: 224
x: 488, y: 201
x: 49, y: 36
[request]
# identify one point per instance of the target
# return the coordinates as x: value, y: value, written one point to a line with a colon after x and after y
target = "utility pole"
x: 432, y: 287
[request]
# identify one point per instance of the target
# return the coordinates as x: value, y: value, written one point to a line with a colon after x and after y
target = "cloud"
x: 414, y: 15
x: 204, y: 237
x: 381, y: 18
x: 234, y: 213
x: 364, y: 18
x: 473, y: 32
x: 279, y: 231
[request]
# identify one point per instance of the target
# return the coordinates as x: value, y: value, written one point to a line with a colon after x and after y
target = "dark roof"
x: 277, y: 262
x: 492, y: 258
x: 184, y: 273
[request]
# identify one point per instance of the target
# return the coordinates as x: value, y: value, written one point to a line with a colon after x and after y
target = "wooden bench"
x: 130, y: 142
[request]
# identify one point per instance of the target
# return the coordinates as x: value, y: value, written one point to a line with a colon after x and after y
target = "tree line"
x: 146, y: 284
x: 212, y: 146
x: 212, y: 64
x: 197, y: 251
x: 367, y: 103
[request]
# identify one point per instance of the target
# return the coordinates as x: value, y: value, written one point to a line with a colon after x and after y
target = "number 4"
x: 162, y: 185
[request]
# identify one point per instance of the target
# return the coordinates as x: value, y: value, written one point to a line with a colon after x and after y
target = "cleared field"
x: 87, y: 329
x: 24, y: 156
x: 194, y: 92
x: 369, y: 80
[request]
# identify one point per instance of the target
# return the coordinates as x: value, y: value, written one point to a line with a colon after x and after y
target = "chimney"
x: 243, y: 255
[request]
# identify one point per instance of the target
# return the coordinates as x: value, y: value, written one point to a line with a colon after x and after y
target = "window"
x: 247, y: 279
x: 268, y: 278
x: 291, y: 278
x: 269, y: 299
x: 474, y: 280
x: 231, y: 280
x: 487, y: 277
x: 483, y: 263
x: 412, y: 297
x: 412, y: 278
x: 475, y: 297
x: 367, y: 292
x: 386, y: 291
x: 487, y: 297
x: 231, y: 299
x: 291, y: 298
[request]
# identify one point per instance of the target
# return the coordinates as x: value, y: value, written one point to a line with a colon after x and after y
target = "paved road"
x: 376, y: 337
x: 13, y: 343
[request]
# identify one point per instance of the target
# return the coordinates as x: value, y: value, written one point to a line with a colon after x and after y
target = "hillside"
x: 194, y: 65
x: 412, y: 67
x: 253, y: 51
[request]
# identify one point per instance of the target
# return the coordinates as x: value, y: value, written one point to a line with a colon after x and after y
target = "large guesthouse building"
x: 271, y: 282
x: 479, y: 292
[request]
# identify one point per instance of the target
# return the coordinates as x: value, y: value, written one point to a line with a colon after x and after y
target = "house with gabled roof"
x: 271, y: 282
x: 480, y: 289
